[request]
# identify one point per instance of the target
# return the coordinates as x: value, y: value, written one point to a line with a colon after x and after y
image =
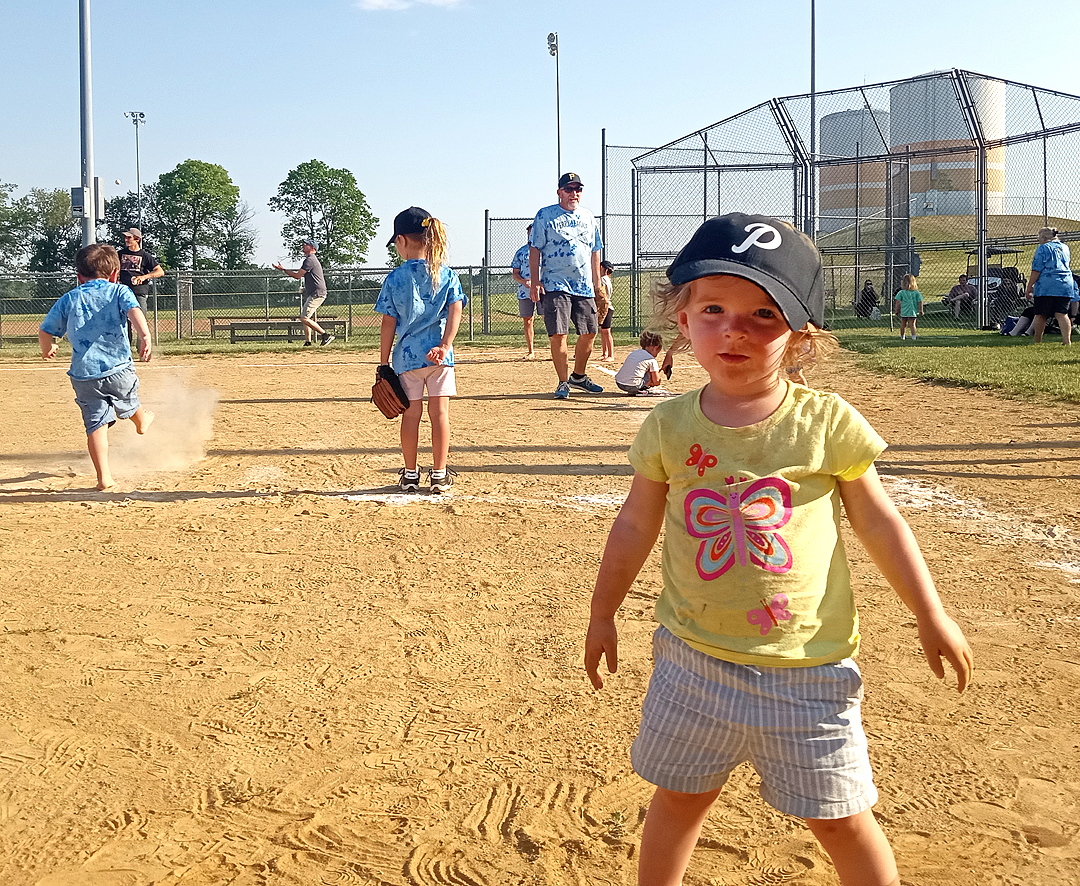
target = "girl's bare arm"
x: 632, y: 537
x: 892, y: 546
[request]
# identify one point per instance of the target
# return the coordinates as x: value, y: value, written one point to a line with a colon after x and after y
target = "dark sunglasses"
x: 574, y: 190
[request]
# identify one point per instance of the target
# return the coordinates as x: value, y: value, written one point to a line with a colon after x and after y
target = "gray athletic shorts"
x: 527, y: 308
x: 104, y: 400
x: 310, y: 305
x: 561, y: 307
x: 800, y: 728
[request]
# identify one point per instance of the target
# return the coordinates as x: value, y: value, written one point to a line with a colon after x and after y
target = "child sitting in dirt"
x: 640, y: 373
x: 94, y: 317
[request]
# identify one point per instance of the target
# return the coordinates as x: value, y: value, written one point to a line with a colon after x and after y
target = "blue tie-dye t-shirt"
x: 566, y: 241
x: 94, y: 318
x: 1055, y: 277
x: 520, y: 263
x: 407, y: 296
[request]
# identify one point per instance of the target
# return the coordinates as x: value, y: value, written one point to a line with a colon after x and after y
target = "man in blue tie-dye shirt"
x: 564, y: 274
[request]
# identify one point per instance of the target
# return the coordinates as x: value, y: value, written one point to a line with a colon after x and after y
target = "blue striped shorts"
x: 800, y: 728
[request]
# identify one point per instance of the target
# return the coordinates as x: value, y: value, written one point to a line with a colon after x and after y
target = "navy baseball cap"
x: 410, y: 221
x: 570, y: 178
x: 766, y: 251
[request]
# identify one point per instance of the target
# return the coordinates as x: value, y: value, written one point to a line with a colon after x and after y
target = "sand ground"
x: 256, y: 664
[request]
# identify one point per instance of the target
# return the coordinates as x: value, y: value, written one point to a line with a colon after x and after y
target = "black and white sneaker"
x: 326, y: 339
x: 409, y: 481
x: 441, y: 483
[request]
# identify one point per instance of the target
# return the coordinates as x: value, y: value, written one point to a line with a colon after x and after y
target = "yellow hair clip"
x: 425, y: 222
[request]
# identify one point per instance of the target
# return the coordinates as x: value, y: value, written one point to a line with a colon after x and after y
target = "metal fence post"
x: 603, y: 190
x: 348, y: 327
x: 485, y: 281
x: 266, y: 290
x: 634, y: 233
x: 471, y: 290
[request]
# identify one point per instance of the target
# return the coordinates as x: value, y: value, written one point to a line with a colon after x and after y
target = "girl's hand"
x: 941, y: 636
x: 437, y: 354
x: 602, y: 641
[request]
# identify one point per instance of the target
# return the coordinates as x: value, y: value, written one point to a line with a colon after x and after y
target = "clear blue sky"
x: 450, y: 104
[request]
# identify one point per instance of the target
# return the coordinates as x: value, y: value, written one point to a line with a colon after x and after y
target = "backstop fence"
x: 939, y: 175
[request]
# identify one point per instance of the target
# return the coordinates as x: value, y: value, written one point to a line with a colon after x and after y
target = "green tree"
x: 16, y: 223
x: 394, y: 257
x: 237, y: 239
x: 56, y: 236
x: 193, y: 203
x: 326, y: 205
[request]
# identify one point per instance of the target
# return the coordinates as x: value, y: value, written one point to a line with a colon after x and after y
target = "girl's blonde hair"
x: 433, y: 241
x: 908, y: 283
x: 807, y: 347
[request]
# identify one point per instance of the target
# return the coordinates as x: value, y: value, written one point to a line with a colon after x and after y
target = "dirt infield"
x: 261, y: 666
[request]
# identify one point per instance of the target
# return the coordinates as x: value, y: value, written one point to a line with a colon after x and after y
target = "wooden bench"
x: 280, y: 330
x: 223, y: 323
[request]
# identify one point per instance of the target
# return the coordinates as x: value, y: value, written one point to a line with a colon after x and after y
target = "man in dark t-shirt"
x: 311, y: 272
x: 137, y: 266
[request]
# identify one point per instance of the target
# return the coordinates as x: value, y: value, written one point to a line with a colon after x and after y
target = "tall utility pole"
x: 138, y: 118
x: 553, y: 48
x: 89, y: 215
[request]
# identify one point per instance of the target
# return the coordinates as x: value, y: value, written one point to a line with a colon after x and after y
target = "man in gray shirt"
x: 310, y: 271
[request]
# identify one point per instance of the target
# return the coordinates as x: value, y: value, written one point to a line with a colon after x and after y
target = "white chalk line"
x: 906, y: 493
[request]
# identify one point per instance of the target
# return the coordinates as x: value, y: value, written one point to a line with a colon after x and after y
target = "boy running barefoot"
x: 94, y: 317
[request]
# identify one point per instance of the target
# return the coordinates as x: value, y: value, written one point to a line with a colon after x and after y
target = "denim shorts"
x: 104, y: 400
x: 527, y: 308
x: 800, y: 728
x: 561, y: 307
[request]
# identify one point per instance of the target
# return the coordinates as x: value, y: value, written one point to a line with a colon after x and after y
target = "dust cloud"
x: 183, y: 424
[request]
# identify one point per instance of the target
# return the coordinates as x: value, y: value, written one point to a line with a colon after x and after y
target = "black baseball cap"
x: 413, y: 220
x: 766, y: 251
x: 570, y: 178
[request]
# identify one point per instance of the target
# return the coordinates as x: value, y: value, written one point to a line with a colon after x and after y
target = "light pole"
x: 553, y: 48
x: 86, y: 128
x: 138, y: 118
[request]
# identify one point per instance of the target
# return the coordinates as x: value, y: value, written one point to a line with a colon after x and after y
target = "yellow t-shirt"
x: 754, y: 565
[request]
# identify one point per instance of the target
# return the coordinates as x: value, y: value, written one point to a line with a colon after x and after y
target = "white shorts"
x: 800, y: 728
x: 439, y: 381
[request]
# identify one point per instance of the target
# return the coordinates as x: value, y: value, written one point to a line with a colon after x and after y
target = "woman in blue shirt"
x: 1052, y: 283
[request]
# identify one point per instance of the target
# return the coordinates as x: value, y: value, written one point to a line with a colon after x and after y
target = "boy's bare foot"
x: 530, y: 356
x: 104, y: 486
x: 143, y: 419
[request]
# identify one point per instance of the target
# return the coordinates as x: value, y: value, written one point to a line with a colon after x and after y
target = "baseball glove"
x: 388, y: 394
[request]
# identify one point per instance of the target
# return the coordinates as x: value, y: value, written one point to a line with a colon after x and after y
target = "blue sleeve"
x: 127, y: 299
x: 55, y: 322
x: 384, y: 304
x: 1038, y: 263
x: 454, y: 292
x: 537, y: 236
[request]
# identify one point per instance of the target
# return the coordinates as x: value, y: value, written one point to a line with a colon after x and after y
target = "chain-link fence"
x: 940, y: 175
x: 242, y: 305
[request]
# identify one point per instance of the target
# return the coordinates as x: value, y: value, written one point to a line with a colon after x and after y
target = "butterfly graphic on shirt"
x: 771, y: 613
x: 740, y: 525
x: 701, y: 458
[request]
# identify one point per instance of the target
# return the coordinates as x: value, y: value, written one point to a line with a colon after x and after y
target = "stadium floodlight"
x: 553, y: 49
x: 138, y: 118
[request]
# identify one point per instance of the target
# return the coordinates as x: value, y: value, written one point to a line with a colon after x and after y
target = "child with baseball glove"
x: 421, y: 303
